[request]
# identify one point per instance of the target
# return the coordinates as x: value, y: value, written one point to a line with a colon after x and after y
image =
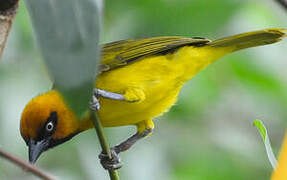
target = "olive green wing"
x: 120, y: 53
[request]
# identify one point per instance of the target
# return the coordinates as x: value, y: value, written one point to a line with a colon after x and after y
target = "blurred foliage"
x: 208, y: 134
x: 173, y: 17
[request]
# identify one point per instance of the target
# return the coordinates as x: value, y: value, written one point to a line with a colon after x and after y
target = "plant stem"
x: 26, y: 166
x: 104, y: 143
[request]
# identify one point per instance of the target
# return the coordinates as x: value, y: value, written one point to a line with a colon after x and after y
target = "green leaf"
x: 68, y: 35
x: 261, y: 128
x: 263, y: 132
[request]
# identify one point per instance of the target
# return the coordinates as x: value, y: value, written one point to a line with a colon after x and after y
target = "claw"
x: 111, y: 167
x: 95, y: 104
x: 110, y: 164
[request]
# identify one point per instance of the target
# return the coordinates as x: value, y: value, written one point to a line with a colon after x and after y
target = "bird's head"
x: 47, y: 122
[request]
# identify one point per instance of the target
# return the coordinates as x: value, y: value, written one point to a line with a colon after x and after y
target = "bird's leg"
x: 130, y: 95
x: 109, y: 95
x: 112, y: 164
x: 131, y: 141
x: 95, y: 105
x: 145, y: 128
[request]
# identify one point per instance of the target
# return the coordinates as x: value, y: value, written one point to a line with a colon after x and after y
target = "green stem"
x: 104, y: 143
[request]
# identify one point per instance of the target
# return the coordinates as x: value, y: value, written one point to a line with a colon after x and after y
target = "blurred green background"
x: 208, y: 134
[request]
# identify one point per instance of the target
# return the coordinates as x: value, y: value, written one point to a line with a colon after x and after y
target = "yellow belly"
x: 158, y: 79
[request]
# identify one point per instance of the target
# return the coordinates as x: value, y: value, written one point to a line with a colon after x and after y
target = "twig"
x: 283, y: 3
x: 104, y: 143
x: 8, y: 9
x: 26, y: 166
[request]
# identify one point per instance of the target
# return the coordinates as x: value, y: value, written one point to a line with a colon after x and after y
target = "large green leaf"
x: 67, y: 32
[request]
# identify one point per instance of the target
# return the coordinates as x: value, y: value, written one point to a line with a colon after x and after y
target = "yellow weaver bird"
x: 139, y: 79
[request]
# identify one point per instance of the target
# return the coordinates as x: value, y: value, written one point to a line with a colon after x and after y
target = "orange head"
x: 47, y: 122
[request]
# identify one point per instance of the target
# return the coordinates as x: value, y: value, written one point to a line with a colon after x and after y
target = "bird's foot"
x: 110, y: 163
x: 95, y: 104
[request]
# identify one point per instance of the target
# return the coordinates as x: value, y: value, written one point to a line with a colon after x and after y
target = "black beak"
x: 36, y: 148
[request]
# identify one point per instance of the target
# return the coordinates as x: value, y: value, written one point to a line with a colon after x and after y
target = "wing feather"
x: 120, y: 53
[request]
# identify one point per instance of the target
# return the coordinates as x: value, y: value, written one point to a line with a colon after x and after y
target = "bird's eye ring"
x: 49, y: 126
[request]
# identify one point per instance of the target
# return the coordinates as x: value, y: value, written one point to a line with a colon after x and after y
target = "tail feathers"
x: 250, y: 39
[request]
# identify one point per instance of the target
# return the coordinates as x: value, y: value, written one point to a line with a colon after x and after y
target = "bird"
x: 138, y: 79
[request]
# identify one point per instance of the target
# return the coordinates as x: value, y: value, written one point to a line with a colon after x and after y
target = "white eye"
x: 50, y: 126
